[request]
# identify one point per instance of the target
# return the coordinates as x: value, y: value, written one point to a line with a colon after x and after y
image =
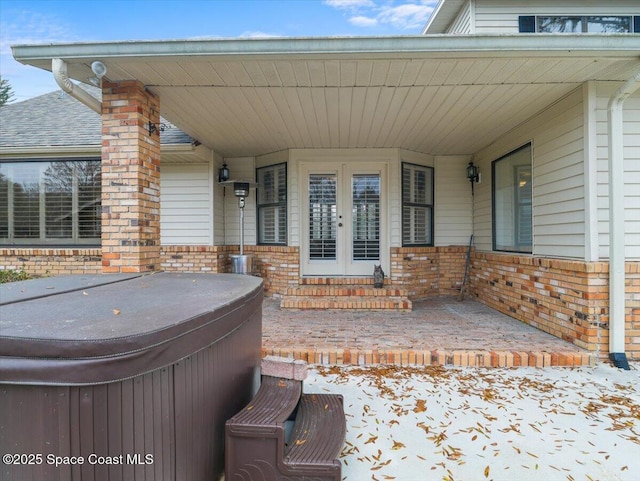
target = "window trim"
x: 284, y: 203
x: 413, y: 204
x: 42, y: 241
x: 493, y: 202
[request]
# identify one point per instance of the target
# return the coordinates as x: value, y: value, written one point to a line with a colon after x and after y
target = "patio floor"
x: 440, y: 331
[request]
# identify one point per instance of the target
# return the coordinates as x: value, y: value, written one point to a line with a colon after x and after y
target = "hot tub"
x: 124, y: 377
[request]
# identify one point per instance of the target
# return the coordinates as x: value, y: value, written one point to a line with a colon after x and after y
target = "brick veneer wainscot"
x: 52, y: 261
x: 566, y: 298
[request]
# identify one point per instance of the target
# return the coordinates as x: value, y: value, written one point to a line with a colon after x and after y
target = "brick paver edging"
x: 462, y: 358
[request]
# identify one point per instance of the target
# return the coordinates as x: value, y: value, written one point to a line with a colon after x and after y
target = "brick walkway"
x: 440, y: 331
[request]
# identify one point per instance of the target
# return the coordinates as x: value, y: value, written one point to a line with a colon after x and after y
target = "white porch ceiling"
x: 432, y: 101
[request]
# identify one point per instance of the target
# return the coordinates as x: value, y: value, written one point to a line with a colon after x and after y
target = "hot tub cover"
x: 96, y: 329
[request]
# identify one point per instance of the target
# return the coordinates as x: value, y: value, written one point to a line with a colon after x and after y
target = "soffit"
x: 435, y: 100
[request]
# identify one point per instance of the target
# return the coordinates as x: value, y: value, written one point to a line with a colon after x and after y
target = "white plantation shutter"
x: 272, y: 204
x: 322, y: 216
x: 366, y: 217
x: 50, y: 202
x: 417, y: 205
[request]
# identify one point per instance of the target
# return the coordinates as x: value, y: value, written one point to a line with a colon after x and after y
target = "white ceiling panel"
x: 438, y: 95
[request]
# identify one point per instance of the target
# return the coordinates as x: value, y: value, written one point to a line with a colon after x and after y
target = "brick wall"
x: 51, y: 261
x: 278, y: 266
x: 568, y: 299
x: 428, y: 271
x: 205, y: 259
x: 130, y: 178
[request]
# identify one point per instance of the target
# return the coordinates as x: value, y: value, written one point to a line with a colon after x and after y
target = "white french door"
x: 343, y: 222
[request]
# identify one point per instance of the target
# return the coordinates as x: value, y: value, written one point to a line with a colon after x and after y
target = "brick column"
x: 130, y: 179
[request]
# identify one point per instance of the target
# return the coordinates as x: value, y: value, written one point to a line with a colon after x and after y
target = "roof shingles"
x: 56, y: 119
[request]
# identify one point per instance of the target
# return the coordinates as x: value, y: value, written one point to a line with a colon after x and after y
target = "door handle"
x: 340, y: 224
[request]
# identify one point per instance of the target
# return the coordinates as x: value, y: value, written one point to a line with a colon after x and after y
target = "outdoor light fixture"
x: 99, y: 70
x: 473, y: 174
x: 223, y: 173
x: 153, y: 127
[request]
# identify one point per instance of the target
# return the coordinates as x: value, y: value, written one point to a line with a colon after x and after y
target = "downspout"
x: 617, y: 255
x: 59, y: 70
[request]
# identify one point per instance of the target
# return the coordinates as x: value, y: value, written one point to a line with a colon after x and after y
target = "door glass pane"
x: 366, y: 217
x: 322, y: 216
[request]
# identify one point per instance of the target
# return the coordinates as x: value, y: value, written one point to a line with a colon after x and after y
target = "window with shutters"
x: 512, y: 201
x: 417, y: 205
x: 50, y: 202
x: 272, y: 204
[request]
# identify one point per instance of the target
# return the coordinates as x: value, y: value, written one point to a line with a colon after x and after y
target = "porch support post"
x: 130, y: 178
x: 616, y: 223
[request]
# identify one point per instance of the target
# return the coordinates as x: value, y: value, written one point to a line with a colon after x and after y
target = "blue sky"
x: 56, y: 21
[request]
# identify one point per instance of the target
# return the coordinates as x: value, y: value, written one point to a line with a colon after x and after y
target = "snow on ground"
x: 468, y: 424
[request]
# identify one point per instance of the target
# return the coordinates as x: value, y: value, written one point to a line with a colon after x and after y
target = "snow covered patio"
x: 440, y: 331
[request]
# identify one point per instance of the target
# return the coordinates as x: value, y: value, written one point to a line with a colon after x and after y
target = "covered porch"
x: 439, y: 331
x: 390, y: 114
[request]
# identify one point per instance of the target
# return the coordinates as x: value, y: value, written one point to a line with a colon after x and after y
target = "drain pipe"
x: 59, y: 70
x: 617, y: 255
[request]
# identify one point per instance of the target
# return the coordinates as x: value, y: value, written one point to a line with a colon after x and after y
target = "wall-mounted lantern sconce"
x: 223, y: 173
x: 153, y: 127
x: 473, y: 174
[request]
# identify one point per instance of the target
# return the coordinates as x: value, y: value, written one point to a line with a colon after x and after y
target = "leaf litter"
x: 486, y: 423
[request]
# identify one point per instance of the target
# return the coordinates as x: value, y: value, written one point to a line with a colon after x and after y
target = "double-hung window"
x: 272, y: 204
x: 50, y: 202
x: 512, y: 201
x: 417, y: 205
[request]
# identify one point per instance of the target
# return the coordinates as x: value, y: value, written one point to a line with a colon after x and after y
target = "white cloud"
x: 259, y: 34
x: 400, y: 14
x: 22, y: 27
x: 350, y: 4
x: 406, y: 16
x: 361, y: 21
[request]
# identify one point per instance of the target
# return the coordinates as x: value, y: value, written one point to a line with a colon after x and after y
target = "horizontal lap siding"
x: 453, y: 209
x: 185, y: 204
x: 558, y: 204
x: 501, y: 16
x: 631, y: 140
x: 558, y: 188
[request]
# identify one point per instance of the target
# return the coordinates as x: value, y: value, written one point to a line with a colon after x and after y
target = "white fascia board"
x: 51, y: 151
x: 442, y: 16
x: 535, y: 45
x: 79, y: 150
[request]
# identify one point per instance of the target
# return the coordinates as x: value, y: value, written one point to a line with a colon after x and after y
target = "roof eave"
x: 329, y: 47
x: 80, y: 150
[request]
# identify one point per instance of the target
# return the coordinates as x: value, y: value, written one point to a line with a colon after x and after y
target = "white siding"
x: 632, y: 171
x: 558, y: 186
x: 185, y: 204
x: 453, y: 201
x: 463, y: 23
x: 242, y: 168
x: 501, y: 16
x: 218, y: 203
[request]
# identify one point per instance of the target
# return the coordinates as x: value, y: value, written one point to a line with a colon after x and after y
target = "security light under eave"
x: 99, y: 69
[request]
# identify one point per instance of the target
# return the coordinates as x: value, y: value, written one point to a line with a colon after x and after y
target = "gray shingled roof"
x: 57, y: 119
